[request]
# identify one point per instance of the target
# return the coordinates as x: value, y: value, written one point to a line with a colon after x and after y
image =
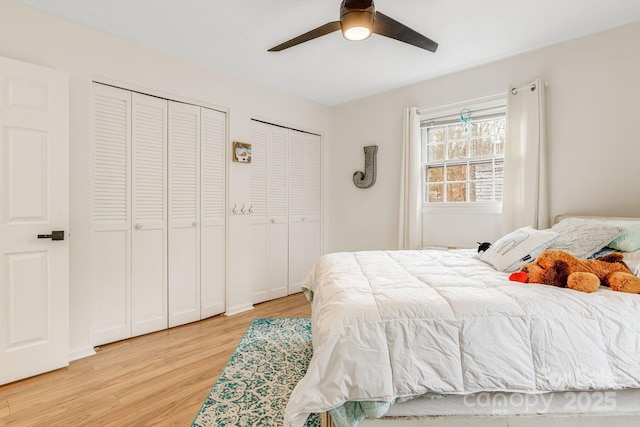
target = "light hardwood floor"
x: 160, y: 379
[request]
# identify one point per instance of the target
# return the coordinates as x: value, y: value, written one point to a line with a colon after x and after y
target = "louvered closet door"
x: 313, y: 198
x: 297, y: 231
x: 304, y: 206
x: 111, y: 223
x: 277, y: 265
x: 212, y: 236
x: 149, y: 207
x: 259, y: 140
x: 184, y: 209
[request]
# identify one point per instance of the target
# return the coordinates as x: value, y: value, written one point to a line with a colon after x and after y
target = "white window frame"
x: 486, y: 106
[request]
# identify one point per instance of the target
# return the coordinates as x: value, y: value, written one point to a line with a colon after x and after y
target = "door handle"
x: 55, y: 235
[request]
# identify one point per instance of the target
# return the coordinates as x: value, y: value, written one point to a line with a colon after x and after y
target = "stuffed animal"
x: 560, y: 268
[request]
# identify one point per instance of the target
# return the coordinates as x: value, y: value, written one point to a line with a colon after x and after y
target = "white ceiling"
x: 234, y: 35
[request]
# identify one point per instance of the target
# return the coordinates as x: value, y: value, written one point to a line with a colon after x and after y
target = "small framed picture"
x: 241, y: 152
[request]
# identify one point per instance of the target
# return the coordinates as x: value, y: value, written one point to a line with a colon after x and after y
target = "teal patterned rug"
x: 254, y: 387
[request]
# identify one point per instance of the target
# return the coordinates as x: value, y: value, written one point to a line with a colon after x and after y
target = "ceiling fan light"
x: 356, y: 25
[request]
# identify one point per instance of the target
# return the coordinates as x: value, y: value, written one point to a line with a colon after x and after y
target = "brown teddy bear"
x: 560, y: 268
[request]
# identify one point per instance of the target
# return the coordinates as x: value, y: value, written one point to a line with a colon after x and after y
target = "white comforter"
x: 402, y: 323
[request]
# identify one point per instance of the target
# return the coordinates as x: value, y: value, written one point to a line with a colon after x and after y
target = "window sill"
x: 463, y: 208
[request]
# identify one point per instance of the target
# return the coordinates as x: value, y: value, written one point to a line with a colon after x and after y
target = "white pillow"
x: 583, y: 237
x: 515, y: 249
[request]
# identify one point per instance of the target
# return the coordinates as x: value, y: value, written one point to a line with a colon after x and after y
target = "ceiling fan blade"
x: 327, y: 28
x: 391, y: 28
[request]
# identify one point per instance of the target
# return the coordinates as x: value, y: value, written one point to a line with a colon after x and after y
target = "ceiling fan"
x: 358, y: 20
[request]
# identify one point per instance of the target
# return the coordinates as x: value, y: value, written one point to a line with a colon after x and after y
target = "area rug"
x: 255, y: 385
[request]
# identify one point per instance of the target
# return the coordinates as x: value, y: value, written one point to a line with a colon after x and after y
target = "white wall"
x: 30, y: 35
x: 593, y: 107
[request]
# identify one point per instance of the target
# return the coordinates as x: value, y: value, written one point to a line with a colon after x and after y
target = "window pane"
x: 483, y: 128
x: 435, y: 152
x: 481, y: 191
x: 435, y: 174
x: 499, y: 170
x: 499, y: 141
x: 455, y: 132
x: 437, y: 134
x: 498, y: 184
x: 436, y: 192
x: 457, y: 173
x: 481, y: 147
x: 499, y: 179
x: 481, y: 171
x: 457, y: 150
x: 457, y: 192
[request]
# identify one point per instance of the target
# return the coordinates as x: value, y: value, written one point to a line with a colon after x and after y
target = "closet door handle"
x: 273, y: 221
x: 194, y: 223
x: 138, y: 226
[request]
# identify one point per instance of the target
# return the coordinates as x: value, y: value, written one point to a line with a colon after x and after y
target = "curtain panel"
x: 525, y: 193
x: 410, y: 222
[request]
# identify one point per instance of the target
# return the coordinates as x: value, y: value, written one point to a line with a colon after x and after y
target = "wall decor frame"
x: 241, y: 152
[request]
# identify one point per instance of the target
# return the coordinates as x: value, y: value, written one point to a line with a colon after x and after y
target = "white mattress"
x: 610, y: 402
x: 390, y: 324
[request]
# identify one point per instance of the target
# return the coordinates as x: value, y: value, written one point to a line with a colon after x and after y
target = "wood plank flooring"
x: 159, y: 379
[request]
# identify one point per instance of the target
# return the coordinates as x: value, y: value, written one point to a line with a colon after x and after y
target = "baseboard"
x: 294, y: 289
x: 238, y: 309
x: 81, y: 353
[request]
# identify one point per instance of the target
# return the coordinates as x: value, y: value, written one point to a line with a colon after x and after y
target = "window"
x: 464, y: 161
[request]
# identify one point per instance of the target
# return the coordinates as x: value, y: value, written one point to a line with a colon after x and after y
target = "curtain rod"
x: 531, y: 86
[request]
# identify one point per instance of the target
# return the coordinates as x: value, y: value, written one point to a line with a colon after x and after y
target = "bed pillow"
x: 515, y: 249
x: 583, y: 237
x: 629, y: 241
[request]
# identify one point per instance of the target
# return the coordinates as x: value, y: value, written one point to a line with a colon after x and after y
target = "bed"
x: 407, y: 336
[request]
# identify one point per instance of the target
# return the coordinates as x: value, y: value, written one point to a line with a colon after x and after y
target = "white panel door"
x: 212, y: 213
x: 278, y: 211
x: 259, y: 140
x: 34, y: 200
x: 111, y: 225
x: 297, y: 230
x: 148, y: 208
x: 184, y: 213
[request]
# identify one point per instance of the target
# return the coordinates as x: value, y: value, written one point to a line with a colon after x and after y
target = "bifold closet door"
x: 304, y: 206
x: 212, y: 213
x: 111, y: 211
x: 184, y: 209
x: 259, y: 230
x: 129, y: 214
x: 278, y: 201
x: 297, y: 185
x: 269, y: 199
x: 149, y: 207
x: 313, y: 201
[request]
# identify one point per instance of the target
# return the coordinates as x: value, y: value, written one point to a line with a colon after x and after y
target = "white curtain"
x: 525, y: 197
x: 410, y: 232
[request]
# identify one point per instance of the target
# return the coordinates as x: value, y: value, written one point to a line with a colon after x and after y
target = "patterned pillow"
x: 513, y: 250
x: 629, y: 241
x: 583, y: 237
